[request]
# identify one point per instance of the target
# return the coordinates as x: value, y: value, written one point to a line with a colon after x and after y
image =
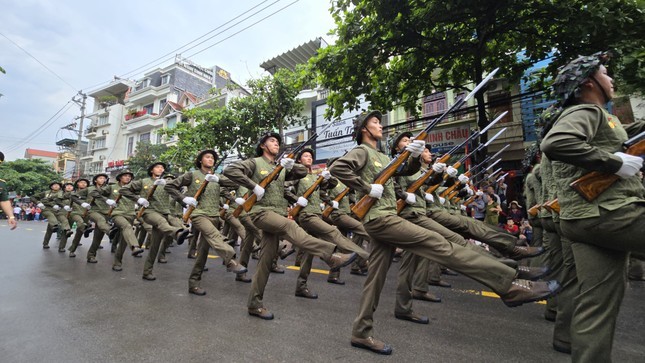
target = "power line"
x: 165, y: 57
x: 39, y: 62
x: 42, y: 128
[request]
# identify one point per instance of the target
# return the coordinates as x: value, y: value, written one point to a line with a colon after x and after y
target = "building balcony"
x: 148, y: 94
x: 143, y: 123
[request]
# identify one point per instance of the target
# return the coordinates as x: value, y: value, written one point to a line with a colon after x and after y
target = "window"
x: 165, y: 79
x: 499, y: 103
x: 172, y: 122
x: 162, y: 104
x: 148, y: 109
x: 145, y: 83
x: 144, y: 137
x: 96, y: 167
x: 99, y: 143
x: 102, y: 120
x: 434, y: 104
x: 159, y: 137
x: 130, y: 148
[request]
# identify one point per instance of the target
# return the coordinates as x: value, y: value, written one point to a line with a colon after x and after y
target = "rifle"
x: 533, y: 211
x: 202, y: 187
x: 251, y: 197
x: 412, y: 188
x: 338, y: 198
x: 552, y: 206
x: 472, y: 198
x: 486, y: 160
x: 297, y: 208
x: 454, y: 192
x: 591, y: 185
x: 222, y: 212
x: 151, y: 192
x: 362, y: 206
x: 87, y: 211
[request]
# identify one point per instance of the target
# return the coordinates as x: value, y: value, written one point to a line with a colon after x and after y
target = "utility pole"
x: 81, y: 103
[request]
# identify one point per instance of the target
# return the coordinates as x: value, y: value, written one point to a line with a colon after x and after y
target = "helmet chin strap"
x: 602, y: 89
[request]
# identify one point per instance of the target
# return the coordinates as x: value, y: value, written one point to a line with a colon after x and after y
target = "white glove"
x: 190, y: 201
x: 211, y: 178
x: 67, y: 208
x: 463, y: 179
x: 259, y: 191
x: 143, y: 202
x: 439, y: 167
x: 429, y: 197
x: 631, y: 165
x: 86, y: 206
x: 470, y: 191
x: 416, y: 147
x: 442, y: 200
x: 334, y: 204
x: 302, y: 201
x: 287, y: 163
x: 160, y: 181
x: 452, y: 172
x: 479, y: 193
x: 463, y: 207
x: 325, y: 174
x: 410, y: 198
x: 56, y: 208
x: 111, y: 202
x: 239, y: 201
x: 376, y: 191
x: 40, y: 205
x: 226, y: 206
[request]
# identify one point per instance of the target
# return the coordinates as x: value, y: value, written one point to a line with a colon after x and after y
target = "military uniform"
x: 98, y: 214
x: 123, y: 217
x: 78, y: 216
x: 533, y: 194
x: 55, y: 221
x: 602, y: 231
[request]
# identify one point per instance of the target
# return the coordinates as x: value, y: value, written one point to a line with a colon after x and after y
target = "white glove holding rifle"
x: 416, y: 148
x: 376, y: 191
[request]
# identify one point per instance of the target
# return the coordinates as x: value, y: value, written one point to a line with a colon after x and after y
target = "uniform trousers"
x: 127, y: 237
x: 208, y: 227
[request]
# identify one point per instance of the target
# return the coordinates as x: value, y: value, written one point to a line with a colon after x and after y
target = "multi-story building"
x: 128, y: 112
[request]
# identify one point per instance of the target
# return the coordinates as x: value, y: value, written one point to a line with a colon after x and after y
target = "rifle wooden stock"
x: 293, y: 213
x: 240, y: 208
x: 452, y: 187
x: 148, y: 196
x: 412, y: 188
x: 222, y: 211
x: 533, y: 211
x: 253, y: 198
x: 591, y: 185
x: 191, y: 208
x: 118, y: 198
x: 552, y: 206
x: 470, y: 200
x: 338, y: 198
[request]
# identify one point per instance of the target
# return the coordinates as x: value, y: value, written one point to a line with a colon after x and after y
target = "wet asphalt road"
x: 59, y: 309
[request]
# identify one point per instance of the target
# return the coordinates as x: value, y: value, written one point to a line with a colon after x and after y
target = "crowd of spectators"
x: 26, y: 211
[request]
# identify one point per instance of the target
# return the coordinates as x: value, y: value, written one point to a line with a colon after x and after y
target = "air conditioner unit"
x: 495, y: 86
x: 102, y: 157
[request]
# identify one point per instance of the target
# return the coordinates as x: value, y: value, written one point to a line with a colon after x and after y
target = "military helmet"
x: 87, y: 181
x: 1, y: 157
x: 360, y: 121
x: 107, y: 178
x: 165, y: 167
x: 306, y: 150
x: 263, y: 139
x: 393, y: 150
x: 124, y: 172
x: 60, y: 185
x: 575, y: 72
x: 198, y: 159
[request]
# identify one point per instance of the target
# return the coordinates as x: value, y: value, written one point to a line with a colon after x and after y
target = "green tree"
x: 28, y: 176
x: 393, y: 52
x: 271, y: 105
x: 146, y: 154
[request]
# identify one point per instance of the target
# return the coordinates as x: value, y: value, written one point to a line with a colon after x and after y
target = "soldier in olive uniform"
x: 123, y: 216
x: 4, y: 201
x: 80, y: 207
x: 99, y: 193
x: 205, y: 217
x: 174, y: 219
x: 357, y: 169
x: 48, y: 202
x: 268, y: 214
x: 584, y: 137
x: 149, y: 193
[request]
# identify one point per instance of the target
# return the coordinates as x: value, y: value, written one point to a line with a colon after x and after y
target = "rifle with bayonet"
x: 293, y: 213
x: 338, y: 198
x: 454, y: 192
x: 151, y: 192
x: 412, y: 188
x: 591, y: 185
x: 251, y: 198
x: 472, y: 198
x: 202, y: 187
x: 362, y: 206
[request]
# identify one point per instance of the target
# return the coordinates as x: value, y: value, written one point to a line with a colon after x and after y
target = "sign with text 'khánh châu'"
x: 444, y: 139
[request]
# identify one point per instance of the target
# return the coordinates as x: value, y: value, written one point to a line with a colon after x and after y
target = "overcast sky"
x: 88, y: 42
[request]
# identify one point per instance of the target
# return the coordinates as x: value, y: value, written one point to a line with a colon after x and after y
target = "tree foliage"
x: 28, y: 176
x: 147, y: 154
x: 271, y: 105
x: 393, y: 52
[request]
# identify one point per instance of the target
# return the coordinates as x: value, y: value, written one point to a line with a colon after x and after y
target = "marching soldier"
x: 79, y: 208
x: 268, y: 214
x: 48, y: 203
x: 357, y: 169
x: 99, y: 193
x: 205, y: 217
x: 123, y: 216
x: 584, y: 137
